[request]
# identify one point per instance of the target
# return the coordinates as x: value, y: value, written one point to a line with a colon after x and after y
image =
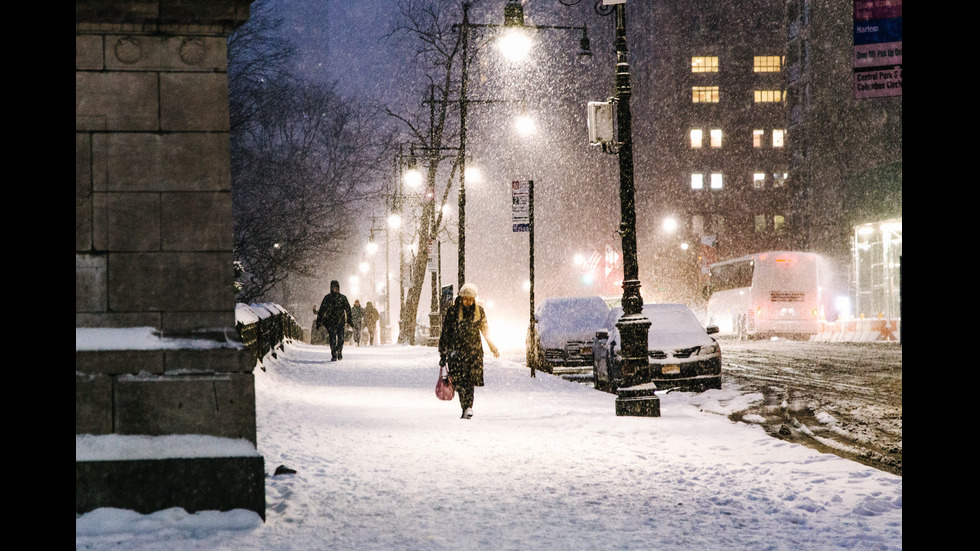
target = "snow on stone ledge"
x: 245, y: 315
x: 138, y: 338
x: 120, y: 447
x: 251, y: 313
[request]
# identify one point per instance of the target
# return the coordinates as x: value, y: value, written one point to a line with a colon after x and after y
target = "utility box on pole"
x: 602, y: 123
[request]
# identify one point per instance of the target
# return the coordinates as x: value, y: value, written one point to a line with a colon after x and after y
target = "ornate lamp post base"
x: 633, y: 329
x: 638, y: 401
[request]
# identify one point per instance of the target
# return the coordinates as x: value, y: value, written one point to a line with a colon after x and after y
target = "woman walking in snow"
x: 460, y: 345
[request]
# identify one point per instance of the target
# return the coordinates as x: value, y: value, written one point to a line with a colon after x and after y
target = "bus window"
x: 731, y: 276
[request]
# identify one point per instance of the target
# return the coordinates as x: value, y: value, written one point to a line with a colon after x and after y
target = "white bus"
x: 784, y: 293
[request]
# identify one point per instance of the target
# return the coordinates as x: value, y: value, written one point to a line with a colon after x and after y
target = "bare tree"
x: 257, y: 53
x: 310, y: 158
x: 428, y: 27
x: 303, y: 158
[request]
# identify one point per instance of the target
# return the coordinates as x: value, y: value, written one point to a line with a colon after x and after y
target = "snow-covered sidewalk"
x: 544, y: 464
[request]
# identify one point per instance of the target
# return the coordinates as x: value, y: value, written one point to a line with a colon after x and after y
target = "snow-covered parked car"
x: 563, y: 332
x: 682, y: 353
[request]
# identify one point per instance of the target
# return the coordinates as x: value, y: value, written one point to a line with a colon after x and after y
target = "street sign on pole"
x: 432, y: 264
x: 519, y: 190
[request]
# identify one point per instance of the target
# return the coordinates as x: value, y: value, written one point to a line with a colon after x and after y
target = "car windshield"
x: 562, y: 317
x: 672, y: 320
x: 667, y: 321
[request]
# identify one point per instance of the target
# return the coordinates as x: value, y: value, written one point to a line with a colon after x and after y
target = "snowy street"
x: 544, y: 464
x: 842, y: 398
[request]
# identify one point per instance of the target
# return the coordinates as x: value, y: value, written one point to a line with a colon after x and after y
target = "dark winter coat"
x: 357, y: 314
x: 334, y: 311
x: 371, y: 316
x: 460, y: 343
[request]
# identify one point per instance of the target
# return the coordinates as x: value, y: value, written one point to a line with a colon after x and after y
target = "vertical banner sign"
x: 519, y: 205
x: 877, y: 48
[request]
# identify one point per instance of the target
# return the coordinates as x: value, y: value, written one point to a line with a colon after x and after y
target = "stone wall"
x: 153, y: 224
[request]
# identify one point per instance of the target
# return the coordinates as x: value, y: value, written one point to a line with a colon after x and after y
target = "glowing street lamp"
x: 525, y: 125
x: 514, y: 44
x: 474, y: 174
x: 394, y: 221
x: 413, y: 177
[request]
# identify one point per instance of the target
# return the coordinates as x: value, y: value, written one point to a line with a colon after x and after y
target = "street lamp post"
x: 435, y: 318
x: 412, y: 179
x: 532, y: 327
x: 399, y: 215
x: 633, y: 325
x: 461, y: 196
x: 386, y: 329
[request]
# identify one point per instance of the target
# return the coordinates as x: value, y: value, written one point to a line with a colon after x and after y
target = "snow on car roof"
x: 562, y: 317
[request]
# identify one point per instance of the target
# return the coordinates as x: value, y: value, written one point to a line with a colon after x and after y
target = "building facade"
x: 716, y: 153
x: 753, y: 139
x: 846, y: 150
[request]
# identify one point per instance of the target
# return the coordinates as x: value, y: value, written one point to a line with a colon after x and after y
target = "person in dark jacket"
x: 334, y: 313
x: 371, y: 318
x: 460, y: 345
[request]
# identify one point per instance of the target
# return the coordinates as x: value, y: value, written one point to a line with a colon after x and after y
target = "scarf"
x: 476, y: 313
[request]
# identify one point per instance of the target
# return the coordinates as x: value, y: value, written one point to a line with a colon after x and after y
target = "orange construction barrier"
x: 889, y: 330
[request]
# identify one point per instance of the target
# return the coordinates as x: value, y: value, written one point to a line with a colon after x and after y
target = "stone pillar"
x: 153, y: 240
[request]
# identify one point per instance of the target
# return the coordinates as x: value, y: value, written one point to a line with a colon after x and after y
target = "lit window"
x: 779, y: 179
x: 697, y: 181
x: 704, y: 94
x: 779, y: 224
x: 757, y: 136
x: 768, y: 96
x: 697, y: 138
x: 704, y: 64
x: 759, y: 180
x: 767, y: 63
x: 778, y: 138
x: 716, y: 137
x: 716, y: 180
x: 760, y: 222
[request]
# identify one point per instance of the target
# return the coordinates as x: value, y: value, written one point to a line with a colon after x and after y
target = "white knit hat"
x: 467, y: 290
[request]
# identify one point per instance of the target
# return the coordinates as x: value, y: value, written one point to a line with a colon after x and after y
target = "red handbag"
x: 444, y: 386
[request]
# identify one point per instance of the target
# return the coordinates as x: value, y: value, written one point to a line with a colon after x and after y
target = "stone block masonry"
x: 153, y: 249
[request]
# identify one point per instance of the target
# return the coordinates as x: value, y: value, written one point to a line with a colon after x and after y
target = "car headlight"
x: 708, y: 350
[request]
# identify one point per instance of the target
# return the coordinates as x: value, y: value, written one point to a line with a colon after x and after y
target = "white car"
x: 682, y: 353
x: 563, y: 332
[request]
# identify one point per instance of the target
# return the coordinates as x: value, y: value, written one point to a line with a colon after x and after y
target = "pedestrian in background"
x: 334, y: 314
x: 371, y: 317
x: 357, y: 316
x: 318, y: 335
x: 461, y: 348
